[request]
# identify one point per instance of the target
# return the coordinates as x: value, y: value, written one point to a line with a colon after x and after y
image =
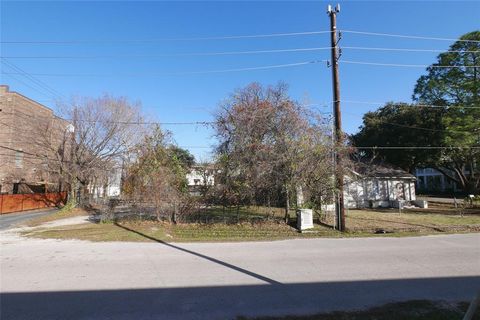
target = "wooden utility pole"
x: 338, y: 135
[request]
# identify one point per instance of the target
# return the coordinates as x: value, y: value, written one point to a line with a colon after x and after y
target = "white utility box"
x: 421, y: 203
x: 304, y: 219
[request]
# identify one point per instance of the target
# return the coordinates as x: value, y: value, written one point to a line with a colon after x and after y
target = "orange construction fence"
x: 21, y: 202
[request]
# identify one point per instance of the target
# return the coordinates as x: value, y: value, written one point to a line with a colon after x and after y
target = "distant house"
x: 432, y: 180
x: 108, y: 185
x: 373, y: 185
x: 200, y: 177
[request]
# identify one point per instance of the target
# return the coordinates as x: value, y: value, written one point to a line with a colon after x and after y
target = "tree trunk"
x: 269, y: 210
x: 174, y: 214
x: 72, y: 195
x: 104, y: 191
x: 468, y: 184
x: 287, y: 204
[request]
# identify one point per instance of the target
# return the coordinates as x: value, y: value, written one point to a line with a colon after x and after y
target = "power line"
x: 173, y: 54
x: 124, y: 122
x: 45, y: 159
x: 227, y: 37
x: 410, y: 126
x: 118, y: 122
x: 269, y: 35
x: 195, y: 147
x: 235, y: 69
x: 404, y: 65
x: 409, y: 105
x: 18, y: 150
x: 358, y: 147
x: 419, y: 128
x: 107, y: 121
x: 29, y: 77
x: 146, y: 122
x: 177, y: 73
x: 236, y: 53
x: 417, y: 147
x: 407, y: 36
x: 409, y: 49
x: 209, y: 123
x: 28, y: 85
x: 23, y: 156
x: 38, y: 82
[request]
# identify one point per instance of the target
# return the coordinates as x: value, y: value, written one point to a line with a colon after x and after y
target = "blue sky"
x: 193, y: 97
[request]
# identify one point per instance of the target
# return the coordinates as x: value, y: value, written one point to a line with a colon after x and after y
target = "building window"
x: 19, y: 159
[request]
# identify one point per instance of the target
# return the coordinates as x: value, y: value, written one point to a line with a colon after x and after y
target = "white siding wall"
x: 359, y: 193
x: 195, y: 177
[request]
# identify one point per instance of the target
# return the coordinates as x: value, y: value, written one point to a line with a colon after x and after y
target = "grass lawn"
x: 133, y: 231
x: 360, y: 223
x: 409, y: 221
x: 412, y: 310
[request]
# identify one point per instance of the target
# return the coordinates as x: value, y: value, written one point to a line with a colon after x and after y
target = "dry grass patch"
x: 97, y: 232
x: 410, y: 221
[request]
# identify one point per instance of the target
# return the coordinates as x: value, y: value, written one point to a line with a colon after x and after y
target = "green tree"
x: 184, y: 156
x: 405, y: 126
x: 452, y: 87
x: 459, y: 83
x: 459, y: 87
x: 156, y: 177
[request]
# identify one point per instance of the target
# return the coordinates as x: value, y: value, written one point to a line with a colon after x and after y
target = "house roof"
x: 375, y: 170
x: 203, y: 166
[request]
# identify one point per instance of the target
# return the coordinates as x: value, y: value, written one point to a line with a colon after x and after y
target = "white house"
x: 108, y: 186
x: 373, y: 186
x: 200, y: 176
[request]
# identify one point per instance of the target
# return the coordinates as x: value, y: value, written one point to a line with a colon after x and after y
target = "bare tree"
x: 93, y: 135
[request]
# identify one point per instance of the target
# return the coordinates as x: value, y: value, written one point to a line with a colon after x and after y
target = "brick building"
x: 28, y: 131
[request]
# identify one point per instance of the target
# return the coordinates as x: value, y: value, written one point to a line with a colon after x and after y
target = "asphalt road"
x: 53, y: 279
x: 9, y: 220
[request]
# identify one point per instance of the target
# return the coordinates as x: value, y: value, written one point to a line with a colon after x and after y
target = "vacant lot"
x: 266, y: 225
